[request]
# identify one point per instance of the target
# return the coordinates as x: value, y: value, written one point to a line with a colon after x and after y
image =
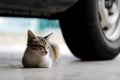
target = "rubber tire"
x: 82, y: 32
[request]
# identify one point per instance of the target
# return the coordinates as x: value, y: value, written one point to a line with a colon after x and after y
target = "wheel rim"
x: 109, y: 11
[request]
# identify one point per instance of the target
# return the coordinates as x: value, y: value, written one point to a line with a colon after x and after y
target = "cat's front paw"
x: 49, y: 66
x: 45, y: 65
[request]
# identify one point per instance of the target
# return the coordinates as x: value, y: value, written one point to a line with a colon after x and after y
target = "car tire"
x: 84, y: 34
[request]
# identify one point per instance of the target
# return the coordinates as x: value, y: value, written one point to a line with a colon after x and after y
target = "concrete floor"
x: 69, y: 68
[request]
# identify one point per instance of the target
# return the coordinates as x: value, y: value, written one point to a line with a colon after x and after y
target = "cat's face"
x: 38, y: 43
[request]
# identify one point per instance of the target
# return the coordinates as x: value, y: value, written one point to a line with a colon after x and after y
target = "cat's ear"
x: 30, y: 35
x: 46, y: 37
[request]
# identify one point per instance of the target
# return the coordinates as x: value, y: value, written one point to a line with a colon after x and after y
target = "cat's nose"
x: 46, y: 52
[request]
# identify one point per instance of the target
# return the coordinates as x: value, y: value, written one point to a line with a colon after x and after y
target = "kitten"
x: 39, y: 52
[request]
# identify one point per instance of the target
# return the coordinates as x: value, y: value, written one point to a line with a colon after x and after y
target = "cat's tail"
x: 56, y: 54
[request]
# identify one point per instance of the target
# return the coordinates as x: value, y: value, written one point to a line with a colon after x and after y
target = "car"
x: 91, y: 28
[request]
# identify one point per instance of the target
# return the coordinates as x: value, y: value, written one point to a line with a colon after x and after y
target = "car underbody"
x: 34, y: 8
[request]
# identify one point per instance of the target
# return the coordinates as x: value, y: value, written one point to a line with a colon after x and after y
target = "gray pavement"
x: 69, y: 68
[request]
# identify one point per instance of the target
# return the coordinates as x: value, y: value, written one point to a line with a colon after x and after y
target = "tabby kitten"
x: 39, y: 52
